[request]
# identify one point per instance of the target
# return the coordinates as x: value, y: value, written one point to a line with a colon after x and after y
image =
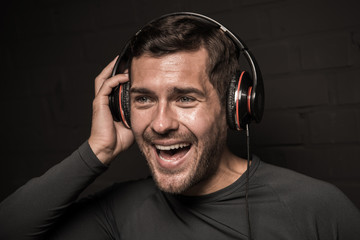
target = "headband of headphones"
x: 246, y: 100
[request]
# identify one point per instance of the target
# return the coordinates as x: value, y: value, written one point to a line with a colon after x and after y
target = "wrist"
x: 104, y: 154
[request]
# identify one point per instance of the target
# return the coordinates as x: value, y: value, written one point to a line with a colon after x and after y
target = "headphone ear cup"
x: 119, y: 104
x: 257, y: 102
x: 231, y: 103
x: 238, y: 103
x: 125, y: 104
x: 114, y: 104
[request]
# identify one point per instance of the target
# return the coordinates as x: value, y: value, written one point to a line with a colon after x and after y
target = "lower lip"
x: 171, y: 164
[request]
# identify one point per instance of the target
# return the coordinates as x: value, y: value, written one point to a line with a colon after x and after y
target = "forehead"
x: 181, y: 67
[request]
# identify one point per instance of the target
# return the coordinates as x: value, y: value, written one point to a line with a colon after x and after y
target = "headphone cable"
x: 247, y: 180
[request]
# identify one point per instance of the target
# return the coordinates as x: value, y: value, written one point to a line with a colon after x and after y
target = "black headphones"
x: 245, y: 95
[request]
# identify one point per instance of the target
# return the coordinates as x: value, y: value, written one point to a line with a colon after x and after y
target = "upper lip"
x: 170, y: 143
x: 171, y: 146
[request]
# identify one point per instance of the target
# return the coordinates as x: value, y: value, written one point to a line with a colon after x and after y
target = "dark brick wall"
x: 309, y: 52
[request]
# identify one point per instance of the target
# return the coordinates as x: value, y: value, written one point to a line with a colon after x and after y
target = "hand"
x: 108, y: 138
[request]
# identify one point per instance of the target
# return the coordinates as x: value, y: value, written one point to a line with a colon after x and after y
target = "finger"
x: 105, y: 74
x: 112, y: 82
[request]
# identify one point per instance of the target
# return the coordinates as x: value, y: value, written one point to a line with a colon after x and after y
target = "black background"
x: 309, y: 53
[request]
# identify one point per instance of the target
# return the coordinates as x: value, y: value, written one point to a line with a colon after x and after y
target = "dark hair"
x: 187, y: 33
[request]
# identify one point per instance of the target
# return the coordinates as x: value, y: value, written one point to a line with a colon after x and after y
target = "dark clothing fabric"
x: 283, y: 205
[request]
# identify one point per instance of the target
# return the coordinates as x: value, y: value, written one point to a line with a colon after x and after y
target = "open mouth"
x: 172, y: 152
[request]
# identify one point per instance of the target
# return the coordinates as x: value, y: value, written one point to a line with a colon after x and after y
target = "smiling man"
x: 179, y: 123
x: 179, y: 69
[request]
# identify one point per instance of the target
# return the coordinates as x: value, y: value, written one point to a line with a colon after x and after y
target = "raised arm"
x: 108, y: 138
x: 31, y: 211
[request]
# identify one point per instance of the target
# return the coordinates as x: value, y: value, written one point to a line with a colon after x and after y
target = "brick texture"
x: 325, y: 52
x: 309, y: 53
x: 348, y: 87
x: 298, y: 91
x: 338, y: 126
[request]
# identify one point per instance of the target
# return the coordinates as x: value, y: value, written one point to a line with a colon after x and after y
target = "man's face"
x: 177, y: 119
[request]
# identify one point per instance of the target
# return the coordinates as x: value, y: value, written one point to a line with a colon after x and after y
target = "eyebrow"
x: 141, y: 90
x: 187, y: 90
x: 175, y: 90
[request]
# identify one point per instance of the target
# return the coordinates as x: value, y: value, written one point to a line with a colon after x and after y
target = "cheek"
x: 139, y: 121
x: 202, y: 121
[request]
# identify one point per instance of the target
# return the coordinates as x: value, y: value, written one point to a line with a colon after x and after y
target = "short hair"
x: 188, y: 33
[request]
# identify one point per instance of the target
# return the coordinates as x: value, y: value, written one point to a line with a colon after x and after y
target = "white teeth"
x: 170, y: 147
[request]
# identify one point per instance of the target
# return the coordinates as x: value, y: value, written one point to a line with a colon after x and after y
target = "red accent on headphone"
x: 121, y: 109
x: 237, y: 101
x: 248, y: 99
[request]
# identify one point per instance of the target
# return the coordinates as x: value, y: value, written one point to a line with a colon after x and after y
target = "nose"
x: 164, y: 119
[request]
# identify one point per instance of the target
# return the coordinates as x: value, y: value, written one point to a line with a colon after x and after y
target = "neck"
x: 230, y: 168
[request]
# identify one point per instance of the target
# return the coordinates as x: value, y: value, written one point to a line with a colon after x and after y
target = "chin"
x: 178, y: 181
x: 175, y: 183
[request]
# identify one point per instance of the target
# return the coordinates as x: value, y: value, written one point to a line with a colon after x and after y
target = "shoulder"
x: 121, y: 200
x: 307, y: 197
x: 129, y: 192
x: 122, y: 197
x: 294, y: 186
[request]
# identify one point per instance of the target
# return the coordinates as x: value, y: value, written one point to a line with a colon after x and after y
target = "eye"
x: 186, y: 99
x: 142, y: 99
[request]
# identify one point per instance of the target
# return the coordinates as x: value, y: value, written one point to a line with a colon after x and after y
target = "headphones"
x: 245, y: 94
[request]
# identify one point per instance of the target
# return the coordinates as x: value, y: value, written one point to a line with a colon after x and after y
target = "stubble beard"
x: 206, y: 160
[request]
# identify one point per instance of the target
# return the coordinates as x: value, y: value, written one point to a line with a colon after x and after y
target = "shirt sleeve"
x: 35, y: 207
x: 341, y: 219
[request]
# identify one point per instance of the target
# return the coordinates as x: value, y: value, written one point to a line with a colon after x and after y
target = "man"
x: 179, y: 70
